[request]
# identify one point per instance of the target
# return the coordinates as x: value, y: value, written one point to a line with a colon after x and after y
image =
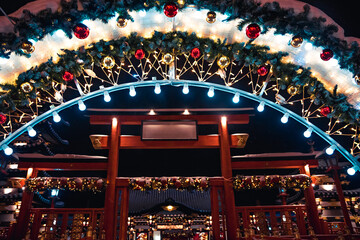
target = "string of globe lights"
x: 171, y: 68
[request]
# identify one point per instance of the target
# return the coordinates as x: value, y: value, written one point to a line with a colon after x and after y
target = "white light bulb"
x: 82, y: 106
x: 157, y: 89
x: 236, y: 97
x: 308, y: 132
x: 351, y: 171
x: 308, y: 46
x: 56, y: 117
x: 285, y: 118
x: 185, y: 89
x: 107, y: 97
x: 7, y: 150
x: 132, y: 91
x: 142, y: 13
x: 31, y: 131
x: 261, y: 106
x: 330, y: 150
x: 211, y: 92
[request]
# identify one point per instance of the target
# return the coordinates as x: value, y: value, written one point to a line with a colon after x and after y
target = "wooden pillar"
x: 123, y: 186
x: 312, y: 212
x: 22, y: 223
x: 214, y: 197
x: 226, y: 171
x: 112, y: 171
x: 341, y: 198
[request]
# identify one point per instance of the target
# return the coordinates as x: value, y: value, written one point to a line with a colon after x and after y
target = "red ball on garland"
x: 63, y: 182
x: 253, y: 31
x: 195, y: 53
x: 2, y: 118
x: 78, y: 183
x: 326, y: 54
x: 81, y: 31
x: 100, y: 183
x: 262, y: 71
x: 139, y: 54
x: 171, y: 9
x: 325, y: 111
x: 68, y: 76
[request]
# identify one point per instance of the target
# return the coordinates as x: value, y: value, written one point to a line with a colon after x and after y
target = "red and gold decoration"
x: 68, y: 76
x: 259, y: 182
x: 195, y: 53
x: 292, y: 90
x: 121, y: 22
x: 326, y: 54
x: 81, y: 31
x: 263, y: 70
x: 72, y: 184
x: 211, y: 17
x: 223, y: 62
x: 27, y: 47
x: 108, y: 62
x: 2, y: 118
x: 296, y: 41
x: 26, y: 87
x: 164, y: 183
x: 168, y: 58
x: 139, y: 54
x: 325, y: 111
x: 171, y: 9
x: 253, y: 31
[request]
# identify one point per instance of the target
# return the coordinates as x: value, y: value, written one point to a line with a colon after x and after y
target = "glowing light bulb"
x: 261, y: 106
x: 132, y: 91
x: 351, y: 171
x: 157, y: 89
x: 107, y: 97
x: 7, y: 150
x: 285, y: 118
x: 82, y: 106
x: 31, y: 131
x: 236, y: 98
x: 330, y: 150
x: 211, y: 92
x: 186, y: 112
x: 56, y: 117
x: 152, y: 112
x: 142, y: 13
x: 308, y: 132
x: 185, y: 89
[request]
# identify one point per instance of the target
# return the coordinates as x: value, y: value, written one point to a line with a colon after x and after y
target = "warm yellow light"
x: 170, y: 208
x: 186, y: 112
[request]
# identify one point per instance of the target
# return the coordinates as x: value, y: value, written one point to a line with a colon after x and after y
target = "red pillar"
x: 311, y: 208
x: 226, y: 171
x: 342, y: 198
x: 214, y: 185
x: 112, y: 171
x: 123, y: 186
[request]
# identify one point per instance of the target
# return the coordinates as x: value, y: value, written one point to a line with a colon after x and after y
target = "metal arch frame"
x: 177, y: 83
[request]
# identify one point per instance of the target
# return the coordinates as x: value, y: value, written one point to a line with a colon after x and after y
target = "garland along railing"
x: 173, y: 56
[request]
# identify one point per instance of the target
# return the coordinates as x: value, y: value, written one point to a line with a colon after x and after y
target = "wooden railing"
x: 66, y: 223
x: 280, y: 220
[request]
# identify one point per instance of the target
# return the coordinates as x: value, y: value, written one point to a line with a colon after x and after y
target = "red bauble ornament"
x: 262, y: 71
x: 68, y: 76
x: 325, y: 111
x: 171, y: 9
x: 195, y: 53
x: 177, y: 184
x: 326, y: 54
x: 164, y: 181
x: 139, y: 54
x: 78, y: 183
x: 253, y: 31
x: 100, y: 183
x: 81, y: 31
x: 2, y: 118
x: 63, y: 182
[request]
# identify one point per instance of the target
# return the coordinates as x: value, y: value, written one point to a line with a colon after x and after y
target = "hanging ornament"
x: 195, y: 53
x: 108, y: 62
x: 171, y: 9
x: 26, y: 87
x: 292, y: 90
x: 168, y: 58
x: 139, y: 54
x: 2, y: 118
x: 211, y: 17
x: 27, y: 47
x: 68, y: 76
x: 81, y: 31
x: 253, y: 31
x: 121, y: 22
x: 296, y: 41
x: 326, y: 54
x: 263, y: 70
x: 325, y: 111
x: 223, y: 62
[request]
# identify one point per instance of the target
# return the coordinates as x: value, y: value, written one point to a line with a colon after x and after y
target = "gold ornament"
x: 108, y: 62
x: 121, y: 22
x: 223, y: 62
x: 181, y: 3
x: 296, y: 41
x: 292, y: 90
x: 211, y: 17
x: 168, y: 58
x: 26, y: 87
x: 27, y: 47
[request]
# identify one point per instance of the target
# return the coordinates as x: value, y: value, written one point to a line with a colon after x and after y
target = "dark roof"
x: 140, y: 201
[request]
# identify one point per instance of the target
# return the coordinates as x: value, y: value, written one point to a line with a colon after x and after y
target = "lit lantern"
x: 81, y: 31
